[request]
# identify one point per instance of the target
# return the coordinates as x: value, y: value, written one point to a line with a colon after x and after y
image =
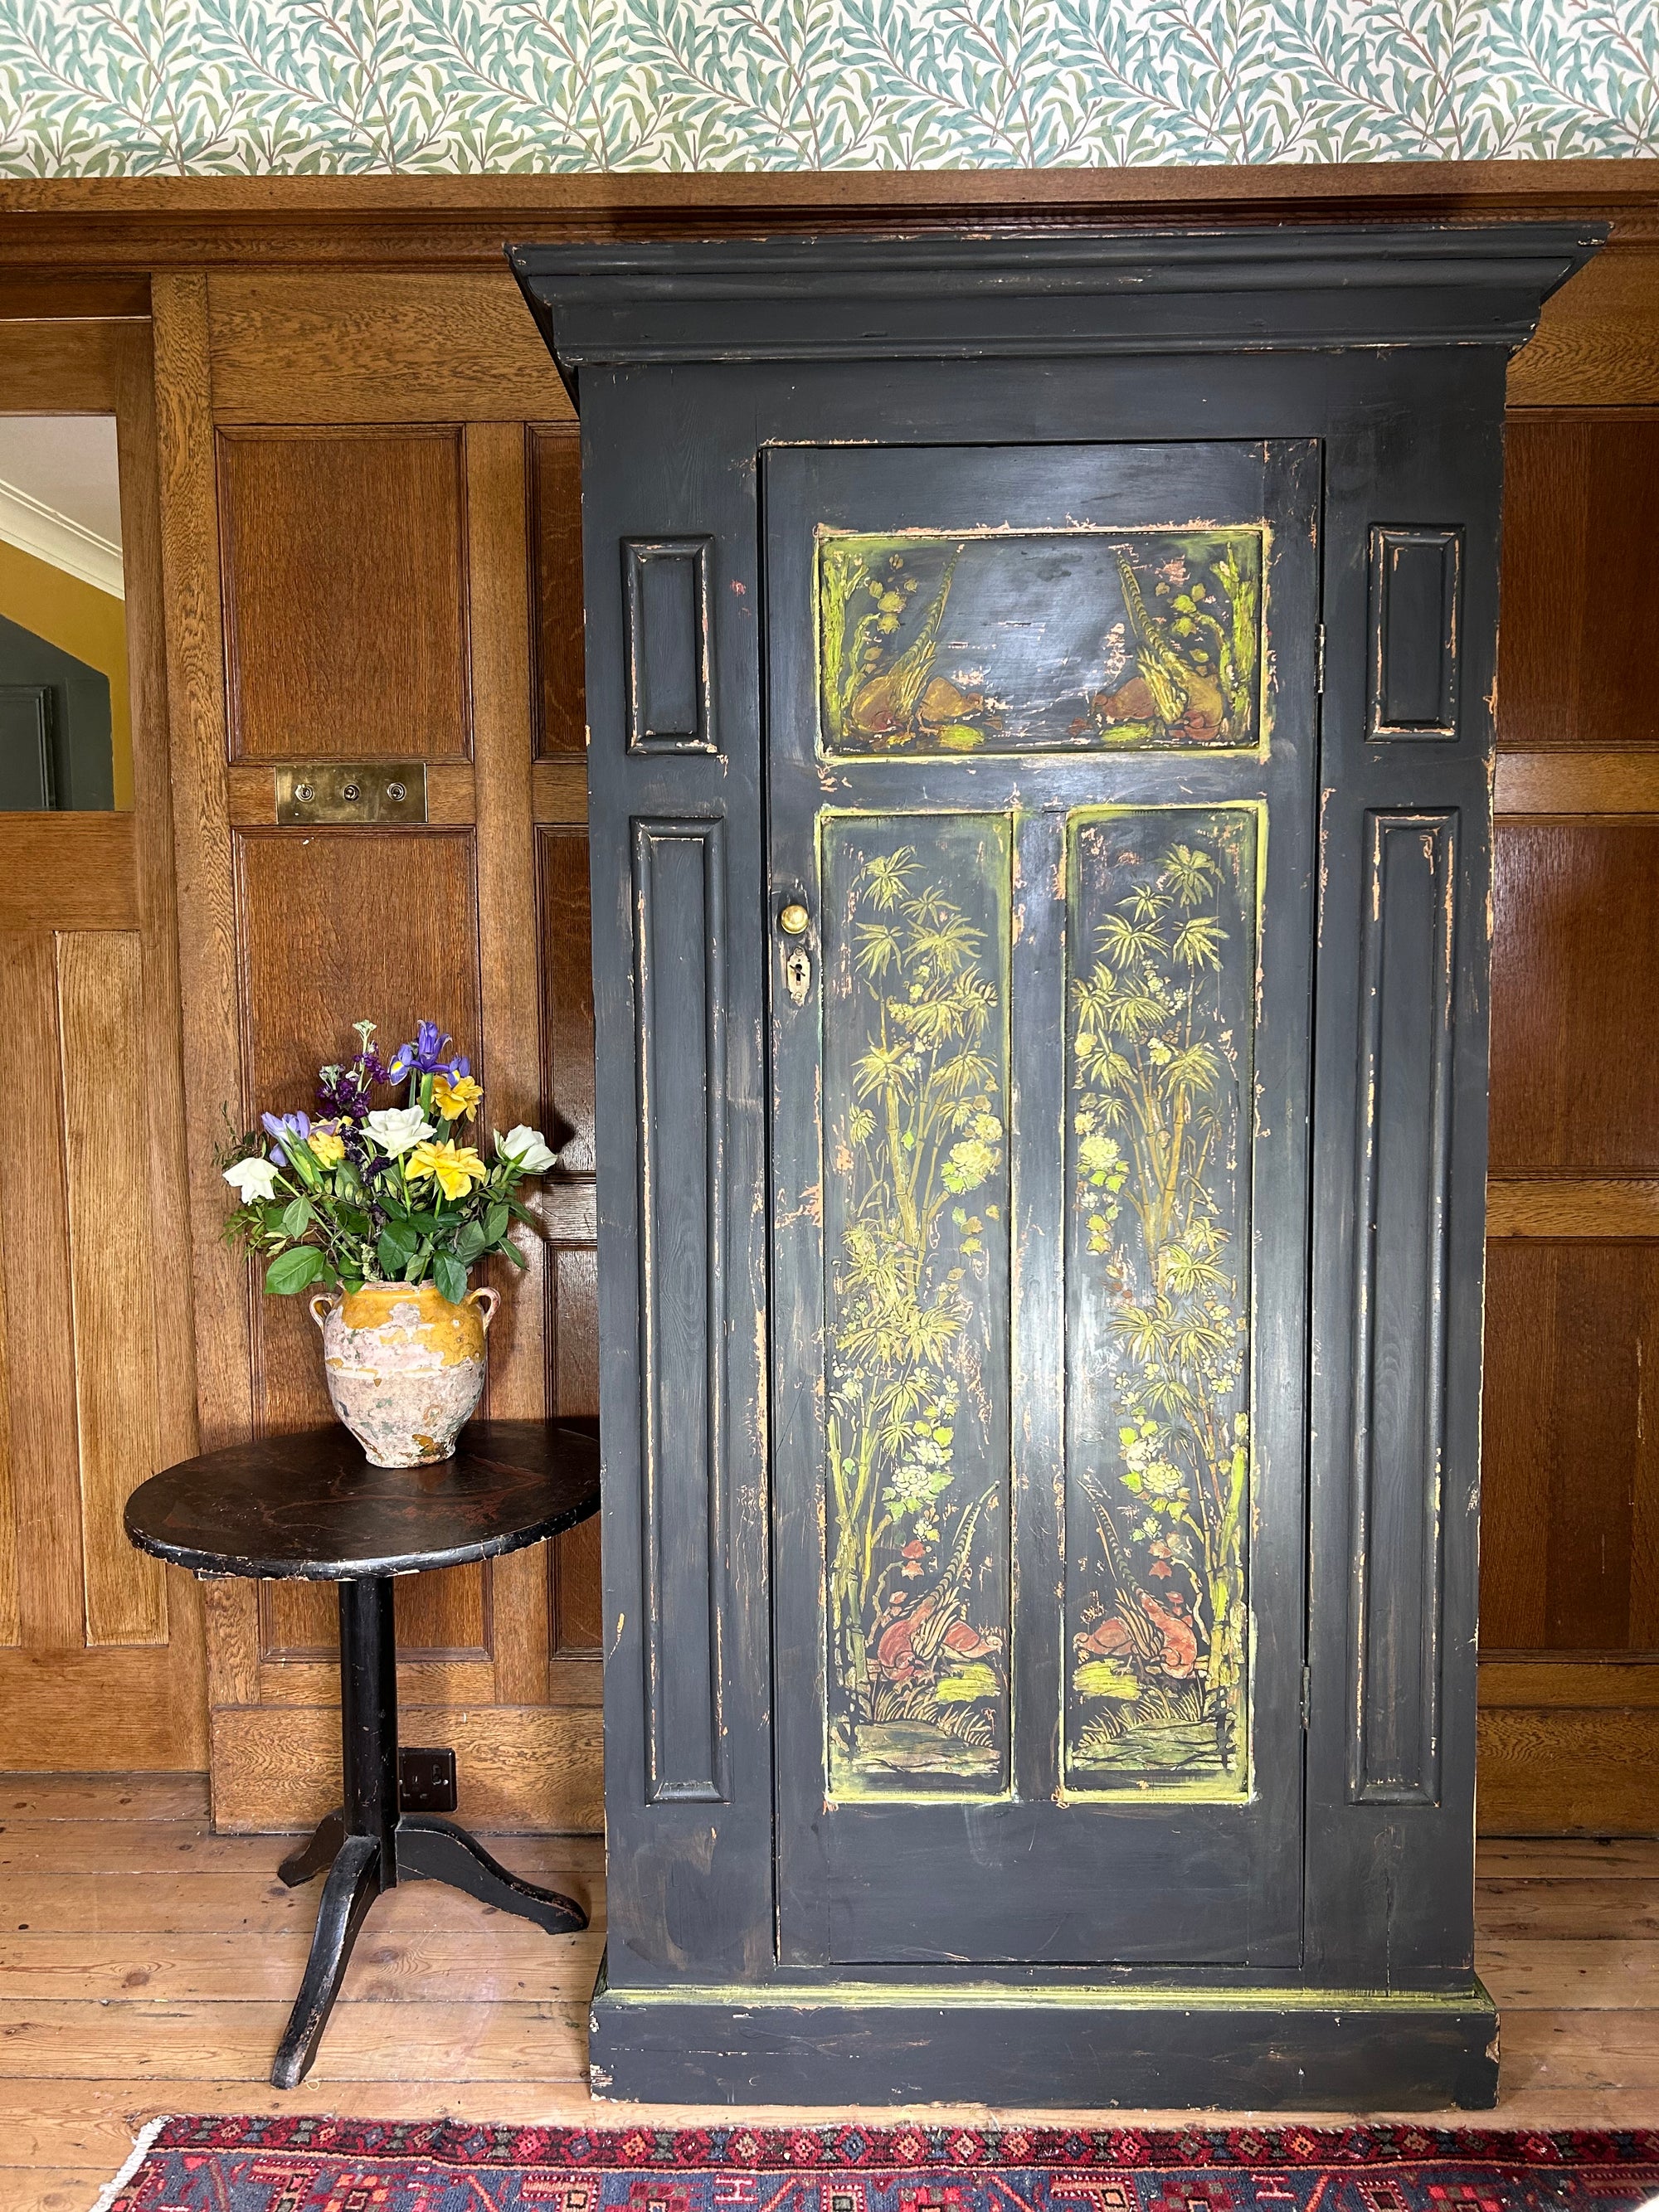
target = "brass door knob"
x: 794, y: 920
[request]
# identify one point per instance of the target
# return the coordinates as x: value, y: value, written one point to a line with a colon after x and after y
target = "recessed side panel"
x: 1162, y: 932
x: 1406, y: 1043
x: 680, y: 997
x: 1415, y: 590
x: 1040, y: 641
x: 665, y: 603
x: 916, y: 912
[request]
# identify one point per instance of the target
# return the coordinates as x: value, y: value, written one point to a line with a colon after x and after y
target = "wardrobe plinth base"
x: 1273, y: 2049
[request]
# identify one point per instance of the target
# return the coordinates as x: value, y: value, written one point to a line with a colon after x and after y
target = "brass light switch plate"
x: 310, y: 791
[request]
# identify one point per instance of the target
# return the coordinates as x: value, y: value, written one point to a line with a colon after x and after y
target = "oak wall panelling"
x: 556, y: 465
x: 1581, y: 591
x: 332, y: 348
x: 1569, y: 1633
x: 343, y: 561
x: 100, y: 1658
x: 1576, y: 920
x: 363, y: 490
x: 343, y: 303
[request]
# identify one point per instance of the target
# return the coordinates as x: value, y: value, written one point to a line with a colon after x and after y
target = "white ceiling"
x: 67, y: 463
x: 60, y: 495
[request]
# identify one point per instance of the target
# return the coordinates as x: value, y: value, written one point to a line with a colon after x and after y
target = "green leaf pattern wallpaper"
x: 91, y: 88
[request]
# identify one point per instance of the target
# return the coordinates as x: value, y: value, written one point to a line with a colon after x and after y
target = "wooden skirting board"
x: 532, y: 1768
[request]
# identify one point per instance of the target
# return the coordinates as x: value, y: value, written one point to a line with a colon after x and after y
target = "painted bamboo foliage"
x: 1052, y: 640
x: 1162, y: 930
x: 915, y: 1219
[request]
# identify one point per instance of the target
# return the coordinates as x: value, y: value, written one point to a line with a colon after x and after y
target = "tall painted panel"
x: 1161, y: 960
x: 915, y: 1080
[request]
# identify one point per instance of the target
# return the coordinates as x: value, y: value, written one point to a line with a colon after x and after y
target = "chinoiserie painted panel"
x: 1162, y: 953
x: 916, y: 923
x: 1038, y: 640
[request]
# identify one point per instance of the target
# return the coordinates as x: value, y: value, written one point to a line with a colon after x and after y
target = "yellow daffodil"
x: 457, y: 1166
x: 327, y: 1146
x: 456, y: 1097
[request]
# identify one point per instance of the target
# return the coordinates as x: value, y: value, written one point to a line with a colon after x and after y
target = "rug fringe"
x: 111, y: 2189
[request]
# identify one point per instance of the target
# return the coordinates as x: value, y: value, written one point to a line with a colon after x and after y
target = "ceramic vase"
x: 404, y: 1368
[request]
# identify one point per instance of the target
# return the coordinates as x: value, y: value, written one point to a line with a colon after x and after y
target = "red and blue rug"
x: 319, y: 2165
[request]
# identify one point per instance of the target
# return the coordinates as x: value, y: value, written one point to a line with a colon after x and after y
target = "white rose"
x: 399, y: 1128
x: 252, y: 1179
x: 526, y: 1148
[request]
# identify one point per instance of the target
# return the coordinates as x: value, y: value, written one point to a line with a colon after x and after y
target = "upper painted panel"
x: 1041, y: 641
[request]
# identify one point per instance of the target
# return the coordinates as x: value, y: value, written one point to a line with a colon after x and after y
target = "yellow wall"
x: 76, y: 618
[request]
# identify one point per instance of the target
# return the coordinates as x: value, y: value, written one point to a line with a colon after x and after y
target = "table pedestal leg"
x: 369, y: 1845
x: 317, y: 1852
x: 353, y: 1885
x: 431, y: 1850
x: 366, y: 1857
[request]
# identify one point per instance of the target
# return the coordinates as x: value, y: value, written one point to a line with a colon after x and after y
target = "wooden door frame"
x: 75, y: 348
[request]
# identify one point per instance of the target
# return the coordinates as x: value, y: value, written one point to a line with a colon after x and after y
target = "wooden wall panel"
x: 1548, y: 1772
x: 1581, y: 587
x: 100, y: 1015
x: 1598, y: 338
x: 577, y: 1611
x: 1570, y: 1458
x: 11, y: 1615
x: 555, y: 478
x: 331, y: 924
x: 1575, y: 1049
x: 343, y: 557
x: 34, y: 1249
x: 345, y: 347
x: 567, y: 997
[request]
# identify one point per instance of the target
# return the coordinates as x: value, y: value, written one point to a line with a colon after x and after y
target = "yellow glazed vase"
x: 404, y: 1368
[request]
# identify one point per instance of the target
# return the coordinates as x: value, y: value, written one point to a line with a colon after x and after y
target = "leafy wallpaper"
x: 98, y: 88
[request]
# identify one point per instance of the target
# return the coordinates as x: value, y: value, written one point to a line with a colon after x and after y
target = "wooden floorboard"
x: 146, y: 1966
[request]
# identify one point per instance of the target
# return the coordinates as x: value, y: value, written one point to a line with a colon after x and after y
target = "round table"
x: 310, y: 1507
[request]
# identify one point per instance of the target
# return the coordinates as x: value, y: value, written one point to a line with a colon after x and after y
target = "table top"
x: 310, y: 1507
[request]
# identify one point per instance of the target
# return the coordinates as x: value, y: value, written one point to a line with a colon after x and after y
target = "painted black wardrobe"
x: 1040, y: 692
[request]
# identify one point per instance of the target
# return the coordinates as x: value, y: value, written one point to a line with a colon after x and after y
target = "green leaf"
x: 470, y: 1243
x: 397, y: 1245
x: 391, y: 1254
x: 496, y: 1222
x: 293, y: 1270
x: 450, y: 1276
x: 296, y: 1216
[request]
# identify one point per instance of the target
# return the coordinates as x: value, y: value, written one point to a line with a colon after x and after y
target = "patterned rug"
x: 318, y: 2165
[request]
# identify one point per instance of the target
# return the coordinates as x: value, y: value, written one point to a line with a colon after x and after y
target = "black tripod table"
x: 310, y: 1508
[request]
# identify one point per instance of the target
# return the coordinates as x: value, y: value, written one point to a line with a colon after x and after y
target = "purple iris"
x: 279, y: 1126
x: 425, y: 1056
x: 345, y: 1092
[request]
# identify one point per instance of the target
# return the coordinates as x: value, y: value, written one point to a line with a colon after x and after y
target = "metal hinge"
x: 1307, y: 1696
x: 1319, y: 659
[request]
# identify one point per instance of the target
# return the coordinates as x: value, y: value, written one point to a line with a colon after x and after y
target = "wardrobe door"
x: 1039, y: 812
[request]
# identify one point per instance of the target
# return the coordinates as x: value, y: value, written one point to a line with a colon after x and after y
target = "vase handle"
x: 327, y: 1300
x: 486, y: 1301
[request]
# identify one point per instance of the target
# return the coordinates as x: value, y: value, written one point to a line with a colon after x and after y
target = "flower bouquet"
x: 381, y: 1212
